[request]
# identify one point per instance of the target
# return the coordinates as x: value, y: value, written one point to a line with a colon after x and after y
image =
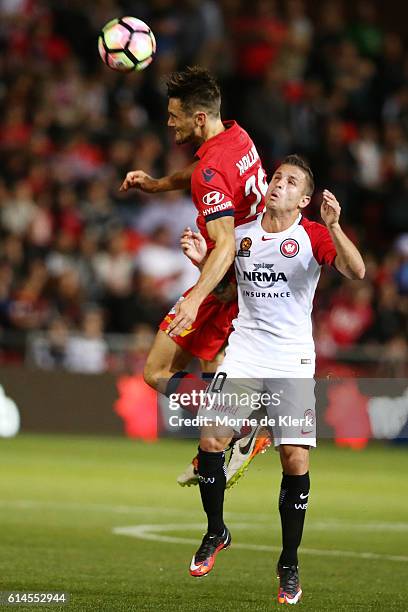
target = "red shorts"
x: 209, y: 332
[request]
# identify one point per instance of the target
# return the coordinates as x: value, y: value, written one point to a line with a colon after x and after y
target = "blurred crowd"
x: 82, y: 263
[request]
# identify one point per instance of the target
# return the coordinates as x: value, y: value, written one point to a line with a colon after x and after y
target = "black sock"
x: 212, y: 481
x: 293, y: 500
x: 207, y: 377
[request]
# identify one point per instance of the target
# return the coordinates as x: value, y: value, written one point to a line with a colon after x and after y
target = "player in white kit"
x: 278, y: 260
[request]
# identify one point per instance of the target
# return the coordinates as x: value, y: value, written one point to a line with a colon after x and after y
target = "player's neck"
x: 274, y: 221
x: 212, y: 128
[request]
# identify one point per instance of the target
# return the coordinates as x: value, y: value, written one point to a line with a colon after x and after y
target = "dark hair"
x: 196, y: 88
x: 299, y: 162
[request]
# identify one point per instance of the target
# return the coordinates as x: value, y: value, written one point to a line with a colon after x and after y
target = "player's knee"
x: 212, y: 445
x: 151, y: 375
x: 294, y: 459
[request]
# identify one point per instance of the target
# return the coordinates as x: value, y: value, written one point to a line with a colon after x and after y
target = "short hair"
x: 299, y: 162
x: 196, y: 88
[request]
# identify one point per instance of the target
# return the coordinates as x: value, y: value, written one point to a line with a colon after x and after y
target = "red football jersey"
x: 228, y: 180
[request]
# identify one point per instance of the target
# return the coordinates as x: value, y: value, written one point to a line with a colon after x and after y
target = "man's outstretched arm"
x: 137, y: 179
x: 348, y: 260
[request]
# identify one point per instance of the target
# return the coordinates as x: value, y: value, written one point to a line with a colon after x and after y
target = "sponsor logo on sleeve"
x: 218, y: 208
x: 212, y: 198
x: 289, y: 247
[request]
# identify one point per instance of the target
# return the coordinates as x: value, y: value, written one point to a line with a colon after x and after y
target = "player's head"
x: 194, y: 100
x: 291, y: 186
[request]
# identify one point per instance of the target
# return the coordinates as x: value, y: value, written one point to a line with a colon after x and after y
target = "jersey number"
x: 257, y: 185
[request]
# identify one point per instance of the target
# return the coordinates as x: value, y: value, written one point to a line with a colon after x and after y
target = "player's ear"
x: 304, y: 201
x: 200, y: 119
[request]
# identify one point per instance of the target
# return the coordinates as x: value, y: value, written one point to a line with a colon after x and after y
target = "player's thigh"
x: 291, y: 408
x: 165, y: 359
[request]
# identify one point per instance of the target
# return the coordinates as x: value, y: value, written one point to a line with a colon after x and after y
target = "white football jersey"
x: 277, y: 275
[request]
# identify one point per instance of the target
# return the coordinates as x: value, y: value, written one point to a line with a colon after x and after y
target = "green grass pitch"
x: 67, y: 504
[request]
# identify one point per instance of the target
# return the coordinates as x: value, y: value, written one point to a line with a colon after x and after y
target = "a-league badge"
x: 244, y: 247
x: 289, y: 247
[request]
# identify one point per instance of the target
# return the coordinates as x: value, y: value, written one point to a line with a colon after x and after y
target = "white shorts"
x: 281, y: 398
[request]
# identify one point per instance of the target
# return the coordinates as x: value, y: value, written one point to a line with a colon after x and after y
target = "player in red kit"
x: 228, y: 185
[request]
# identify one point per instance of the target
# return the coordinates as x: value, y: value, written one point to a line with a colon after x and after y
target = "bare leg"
x: 294, y: 459
x: 215, y: 439
x: 165, y: 359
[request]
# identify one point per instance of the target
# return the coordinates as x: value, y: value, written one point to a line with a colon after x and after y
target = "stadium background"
x: 76, y: 255
x: 86, y: 273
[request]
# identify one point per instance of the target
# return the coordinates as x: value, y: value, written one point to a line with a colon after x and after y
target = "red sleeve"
x: 211, y: 194
x: 323, y: 247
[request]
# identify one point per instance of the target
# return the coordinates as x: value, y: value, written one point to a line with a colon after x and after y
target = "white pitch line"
x: 24, y: 504
x: 316, y: 525
x: 149, y: 532
x: 30, y: 504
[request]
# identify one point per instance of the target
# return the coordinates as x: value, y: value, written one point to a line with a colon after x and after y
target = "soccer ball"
x: 127, y: 44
